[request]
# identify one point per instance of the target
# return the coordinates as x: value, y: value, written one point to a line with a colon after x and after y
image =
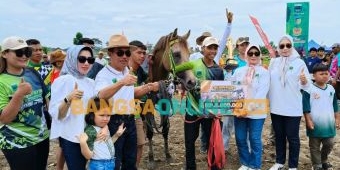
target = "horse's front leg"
x: 149, y: 121
x: 165, y: 131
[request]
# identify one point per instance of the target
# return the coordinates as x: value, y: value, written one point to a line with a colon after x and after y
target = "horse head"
x: 170, y: 51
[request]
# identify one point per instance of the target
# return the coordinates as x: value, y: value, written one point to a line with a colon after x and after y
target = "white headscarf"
x: 71, y: 62
x: 251, y: 68
x: 284, y: 61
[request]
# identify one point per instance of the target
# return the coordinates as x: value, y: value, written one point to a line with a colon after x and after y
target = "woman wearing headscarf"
x: 288, y: 75
x: 72, y: 86
x: 256, y: 80
x: 23, y: 130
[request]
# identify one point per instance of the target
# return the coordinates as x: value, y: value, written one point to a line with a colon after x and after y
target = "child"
x: 100, y: 153
x: 228, y: 121
x: 321, y: 114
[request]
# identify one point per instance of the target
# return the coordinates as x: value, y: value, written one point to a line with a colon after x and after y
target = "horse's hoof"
x: 151, y: 165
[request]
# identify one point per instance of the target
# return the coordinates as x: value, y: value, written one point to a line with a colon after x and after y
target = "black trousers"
x: 30, y: 158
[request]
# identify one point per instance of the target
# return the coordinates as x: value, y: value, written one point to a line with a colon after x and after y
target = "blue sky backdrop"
x: 55, y: 23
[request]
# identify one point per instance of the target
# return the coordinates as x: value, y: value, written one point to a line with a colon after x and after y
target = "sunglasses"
x: 23, y: 51
x: 83, y: 59
x: 282, y: 46
x: 250, y: 54
x: 120, y: 53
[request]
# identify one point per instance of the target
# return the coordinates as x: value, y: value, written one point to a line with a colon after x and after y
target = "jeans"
x: 102, y: 164
x: 249, y: 128
x: 73, y: 156
x: 126, y: 145
x: 287, y: 128
x: 30, y: 158
x: 319, y: 156
x: 191, y: 131
x: 227, y: 130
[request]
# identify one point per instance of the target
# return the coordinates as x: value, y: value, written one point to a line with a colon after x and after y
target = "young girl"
x: 100, y: 153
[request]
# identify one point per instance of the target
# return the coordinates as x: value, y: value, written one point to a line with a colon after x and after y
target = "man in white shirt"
x: 100, y: 59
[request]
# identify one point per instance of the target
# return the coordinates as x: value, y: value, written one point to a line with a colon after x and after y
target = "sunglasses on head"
x: 282, y: 46
x: 250, y: 54
x: 83, y: 59
x: 23, y: 51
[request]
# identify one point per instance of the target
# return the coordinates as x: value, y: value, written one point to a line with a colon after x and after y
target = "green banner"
x: 297, y: 25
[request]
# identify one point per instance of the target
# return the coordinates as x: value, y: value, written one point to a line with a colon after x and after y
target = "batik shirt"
x: 321, y: 104
x: 201, y: 72
x: 101, y: 149
x: 29, y: 126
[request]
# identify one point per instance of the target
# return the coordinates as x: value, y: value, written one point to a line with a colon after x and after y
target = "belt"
x: 124, y: 117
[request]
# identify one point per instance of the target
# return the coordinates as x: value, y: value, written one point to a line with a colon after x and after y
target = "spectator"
x: 23, y: 130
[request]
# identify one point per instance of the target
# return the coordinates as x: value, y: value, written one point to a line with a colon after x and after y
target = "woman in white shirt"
x: 286, y: 101
x: 256, y: 80
x: 69, y: 97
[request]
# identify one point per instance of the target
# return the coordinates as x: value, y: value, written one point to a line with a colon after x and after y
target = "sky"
x: 55, y: 23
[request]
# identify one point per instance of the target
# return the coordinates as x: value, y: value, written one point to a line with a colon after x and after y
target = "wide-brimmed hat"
x: 201, y: 38
x: 13, y: 43
x: 117, y: 40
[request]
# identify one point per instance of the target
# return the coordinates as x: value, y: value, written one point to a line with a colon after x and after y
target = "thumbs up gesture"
x: 76, y: 93
x: 24, y: 88
x: 129, y: 79
x: 303, y: 78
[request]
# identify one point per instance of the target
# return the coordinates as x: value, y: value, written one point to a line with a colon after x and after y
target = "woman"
x: 23, y: 130
x: 288, y: 75
x: 72, y: 87
x: 256, y: 80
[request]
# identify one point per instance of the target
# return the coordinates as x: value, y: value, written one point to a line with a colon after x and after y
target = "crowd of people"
x: 40, y: 98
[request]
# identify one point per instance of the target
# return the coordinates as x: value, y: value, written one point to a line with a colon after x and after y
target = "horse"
x: 170, y: 51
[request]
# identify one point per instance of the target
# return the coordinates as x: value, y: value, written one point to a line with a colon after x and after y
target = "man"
x: 199, y: 41
x: 312, y: 59
x: 45, y: 71
x: 204, y: 69
x: 115, y: 82
x: 100, y: 59
x: 241, y: 46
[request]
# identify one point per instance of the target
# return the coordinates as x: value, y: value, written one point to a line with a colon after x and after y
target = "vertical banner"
x: 297, y: 25
x: 263, y: 36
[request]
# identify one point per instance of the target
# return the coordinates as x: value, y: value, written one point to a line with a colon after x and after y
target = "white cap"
x: 13, y: 43
x: 209, y: 41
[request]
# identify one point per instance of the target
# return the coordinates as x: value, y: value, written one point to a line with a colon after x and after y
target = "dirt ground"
x: 177, y: 149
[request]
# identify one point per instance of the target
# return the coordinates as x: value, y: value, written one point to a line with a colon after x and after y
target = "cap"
x: 242, y: 40
x: 13, y: 43
x: 209, y: 41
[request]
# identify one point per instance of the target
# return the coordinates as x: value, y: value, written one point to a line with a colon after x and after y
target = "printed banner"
x: 297, y: 25
x: 263, y: 36
x: 228, y: 98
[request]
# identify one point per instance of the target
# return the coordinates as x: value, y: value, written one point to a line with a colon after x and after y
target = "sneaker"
x: 292, y: 169
x: 317, y: 167
x: 243, y: 168
x: 327, y: 166
x: 277, y: 166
